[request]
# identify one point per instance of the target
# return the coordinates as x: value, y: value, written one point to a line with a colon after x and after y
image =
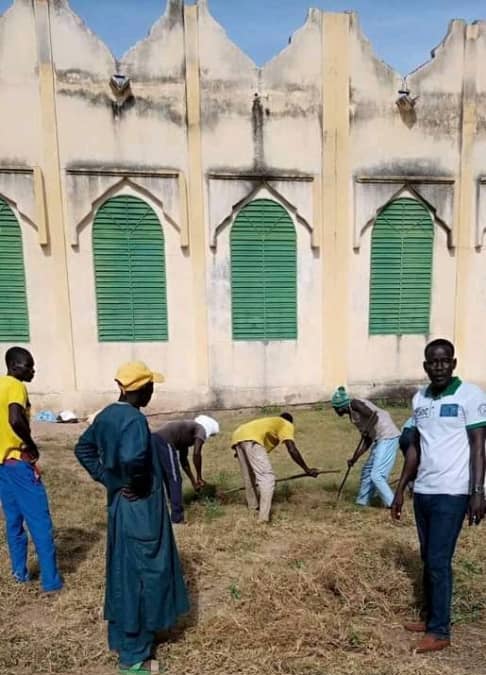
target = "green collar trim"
x: 477, y: 425
x: 451, y: 389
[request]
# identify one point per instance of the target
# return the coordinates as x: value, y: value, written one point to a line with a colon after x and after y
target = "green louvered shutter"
x: 14, y: 316
x: 264, y: 273
x: 129, y: 261
x: 401, y: 270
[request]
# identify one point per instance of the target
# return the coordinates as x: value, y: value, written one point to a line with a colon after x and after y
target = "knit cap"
x: 340, y: 398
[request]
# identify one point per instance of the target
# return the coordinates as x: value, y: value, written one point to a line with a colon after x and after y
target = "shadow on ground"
x: 406, y: 558
x: 74, y: 544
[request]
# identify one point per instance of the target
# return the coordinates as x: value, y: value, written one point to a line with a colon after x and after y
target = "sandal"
x: 142, y: 668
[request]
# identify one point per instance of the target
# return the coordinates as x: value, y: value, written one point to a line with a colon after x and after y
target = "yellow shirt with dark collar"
x: 11, y: 391
x: 266, y: 431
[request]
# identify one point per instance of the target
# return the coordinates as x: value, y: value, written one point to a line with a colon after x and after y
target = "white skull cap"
x: 211, y: 427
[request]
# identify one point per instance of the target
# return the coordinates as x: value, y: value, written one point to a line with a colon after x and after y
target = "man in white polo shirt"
x: 446, y: 459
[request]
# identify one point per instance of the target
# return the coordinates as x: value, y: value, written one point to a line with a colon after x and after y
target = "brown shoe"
x: 431, y: 643
x: 418, y: 627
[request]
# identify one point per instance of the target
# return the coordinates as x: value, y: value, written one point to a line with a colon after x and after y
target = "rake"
x: 282, y: 480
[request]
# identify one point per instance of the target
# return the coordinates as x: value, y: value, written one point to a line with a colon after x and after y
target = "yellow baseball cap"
x: 136, y: 374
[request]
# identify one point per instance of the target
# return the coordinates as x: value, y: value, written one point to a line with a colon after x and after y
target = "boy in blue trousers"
x: 23, y: 495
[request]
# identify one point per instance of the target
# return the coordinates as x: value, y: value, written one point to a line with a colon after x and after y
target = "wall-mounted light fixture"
x: 406, y: 105
x: 121, y: 87
x: 119, y: 84
x: 405, y: 102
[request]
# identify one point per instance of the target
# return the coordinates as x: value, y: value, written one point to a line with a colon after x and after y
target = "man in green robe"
x: 145, y: 590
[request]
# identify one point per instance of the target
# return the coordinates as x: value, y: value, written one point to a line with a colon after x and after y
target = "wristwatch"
x: 478, y: 490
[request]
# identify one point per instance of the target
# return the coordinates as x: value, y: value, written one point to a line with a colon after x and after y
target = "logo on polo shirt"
x: 482, y: 410
x: 421, y: 413
x: 449, y: 410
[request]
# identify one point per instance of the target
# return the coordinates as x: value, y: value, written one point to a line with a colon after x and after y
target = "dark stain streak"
x: 215, y: 108
x: 115, y: 166
x: 439, y: 114
x: 257, y: 129
x: 142, y: 106
x: 174, y: 15
x: 481, y: 113
x: 100, y: 99
x: 58, y: 4
x: 410, y: 167
x: 256, y: 176
x: 120, y: 107
x: 82, y: 77
x: 76, y: 75
x: 17, y: 163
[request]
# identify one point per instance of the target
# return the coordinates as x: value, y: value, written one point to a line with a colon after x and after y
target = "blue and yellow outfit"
x: 145, y: 590
x: 23, y: 496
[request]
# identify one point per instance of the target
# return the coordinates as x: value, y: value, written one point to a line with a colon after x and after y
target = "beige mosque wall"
x: 194, y: 128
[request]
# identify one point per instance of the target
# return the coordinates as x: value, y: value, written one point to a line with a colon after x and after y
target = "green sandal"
x: 141, y: 669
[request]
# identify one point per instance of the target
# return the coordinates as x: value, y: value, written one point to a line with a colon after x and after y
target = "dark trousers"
x: 172, y: 477
x: 132, y: 648
x: 439, y: 520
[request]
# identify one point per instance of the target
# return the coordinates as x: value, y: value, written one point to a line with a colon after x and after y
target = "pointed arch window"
x: 14, y: 316
x: 263, y: 273
x: 401, y: 269
x: 130, y: 274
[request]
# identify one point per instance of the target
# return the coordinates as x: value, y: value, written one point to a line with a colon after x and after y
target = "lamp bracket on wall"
x: 121, y: 88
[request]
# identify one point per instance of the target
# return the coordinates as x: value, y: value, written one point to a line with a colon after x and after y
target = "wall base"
x: 84, y: 403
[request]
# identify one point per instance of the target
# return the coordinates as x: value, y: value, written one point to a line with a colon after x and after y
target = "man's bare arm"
x: 197, y: 459
x: 298, y: 459
x: 184, y: 458
x: 19, y: 422
x: 409, y: 473
x: 476, y: 502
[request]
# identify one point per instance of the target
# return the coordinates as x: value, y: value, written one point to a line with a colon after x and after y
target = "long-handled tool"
x: 281, y: 480
x: 343, y: 482
x: 371, y: 421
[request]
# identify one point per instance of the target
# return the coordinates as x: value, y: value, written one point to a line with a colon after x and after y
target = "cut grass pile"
x: 321, y: 591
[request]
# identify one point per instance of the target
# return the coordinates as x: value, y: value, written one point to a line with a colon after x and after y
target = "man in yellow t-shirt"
x: 23, y: 495
x: 252, y: 442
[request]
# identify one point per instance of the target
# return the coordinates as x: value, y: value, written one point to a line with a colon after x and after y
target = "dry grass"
x: 321, y: 591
